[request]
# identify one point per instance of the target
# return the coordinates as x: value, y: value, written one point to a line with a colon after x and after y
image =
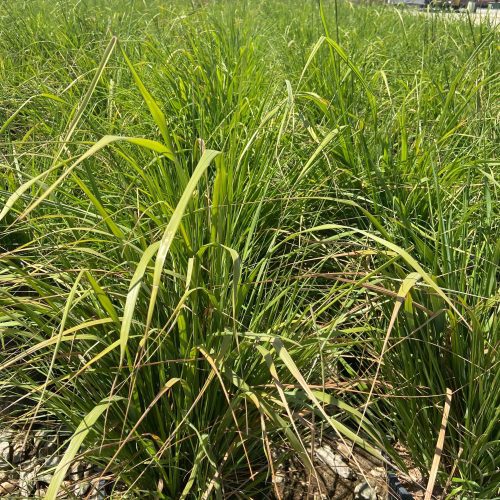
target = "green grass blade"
x: 105, y: 141
x: 79, y: 436
x: 173, y: 225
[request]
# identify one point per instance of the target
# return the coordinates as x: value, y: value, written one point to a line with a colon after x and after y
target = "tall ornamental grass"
x: 216, y: 218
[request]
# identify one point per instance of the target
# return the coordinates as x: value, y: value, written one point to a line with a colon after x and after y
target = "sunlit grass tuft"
x: 211, y: 219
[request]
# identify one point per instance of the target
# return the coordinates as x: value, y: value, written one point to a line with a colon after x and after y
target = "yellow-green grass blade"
x: 328, y: 138
x: 47, y: 343
x: 103, y: 142
x: 157, y: 115
x: 408, y: 283
x: 79, y: 436
x: 99, y: 207
x: 173, y: 225
x: 340, y: 428
x: 86, y: 99
x: 411, y: 261
x: 266, y: 355
x: 12, y: 117
x: 341, y: 52
x: 103, y: 298
x: 132, y: 295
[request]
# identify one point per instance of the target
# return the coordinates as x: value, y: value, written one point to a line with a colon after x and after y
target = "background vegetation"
x: 223, y: 223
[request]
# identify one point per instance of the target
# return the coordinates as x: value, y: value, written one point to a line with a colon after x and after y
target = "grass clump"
x: 212, y: 216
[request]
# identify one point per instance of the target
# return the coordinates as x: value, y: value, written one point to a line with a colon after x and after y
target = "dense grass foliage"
x: 225, y: 226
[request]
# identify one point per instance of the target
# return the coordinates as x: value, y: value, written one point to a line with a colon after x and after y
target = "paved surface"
x: 480, y: 16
